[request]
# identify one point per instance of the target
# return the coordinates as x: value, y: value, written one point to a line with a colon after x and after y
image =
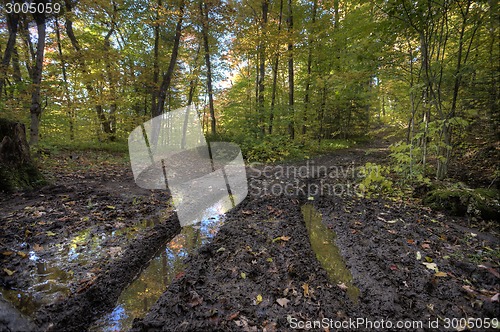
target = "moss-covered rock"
x: 17, y: 169
x: 459, y: 200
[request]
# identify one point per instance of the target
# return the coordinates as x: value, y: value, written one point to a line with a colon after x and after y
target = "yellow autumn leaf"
x: 441, y: 274
x: 258, y: 300
x: 305, y: 287
x: 243, y: 275
x: 50, y: 233
x: 9, y: 272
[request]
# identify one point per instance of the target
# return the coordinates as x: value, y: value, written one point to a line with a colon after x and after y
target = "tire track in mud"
x: 77, y: 312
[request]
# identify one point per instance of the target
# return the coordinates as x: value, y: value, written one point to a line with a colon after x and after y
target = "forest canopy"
x: 273, y: 76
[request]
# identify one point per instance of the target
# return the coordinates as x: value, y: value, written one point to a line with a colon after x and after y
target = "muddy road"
x: 95, y: 252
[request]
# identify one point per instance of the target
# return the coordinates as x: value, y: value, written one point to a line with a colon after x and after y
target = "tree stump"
x: 17, y: 170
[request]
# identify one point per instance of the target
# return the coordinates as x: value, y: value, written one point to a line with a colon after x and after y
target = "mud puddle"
x: 167, y: 265
x: 51, y: 275
x: 328, y: 254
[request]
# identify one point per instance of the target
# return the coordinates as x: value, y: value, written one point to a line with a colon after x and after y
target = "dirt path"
x: 95, y: 230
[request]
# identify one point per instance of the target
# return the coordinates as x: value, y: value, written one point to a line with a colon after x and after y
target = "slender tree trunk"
x: 494, y: 96
x: 194, y: 77
x: 167, y: 77
x: 36, y: 107
x: 70, y: 110
x: 204, y: 32
x: 275, y: 73
x: 156, y: 67
x: 291, y: 87
x: 111, y: 120
x: 309, y: 65
x: 262, y: 63
x: 16, y: 66
x: 12, y: 24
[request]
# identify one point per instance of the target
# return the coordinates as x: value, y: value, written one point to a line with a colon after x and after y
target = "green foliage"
x: 406, y: 163
x: 460, y: 200
x: 375, y: 181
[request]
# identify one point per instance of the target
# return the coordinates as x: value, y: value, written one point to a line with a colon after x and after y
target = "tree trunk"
x: 262, y: 63
x: 12, y: 24
x: 204, y: 31
x: 167, y: 77
x: 309, y: 65
x: 16, y: 167
x: 156, y: 67
x: 36, y: 107
x: 291, y: 124
x: 70, y: 110
x: 275, y: 73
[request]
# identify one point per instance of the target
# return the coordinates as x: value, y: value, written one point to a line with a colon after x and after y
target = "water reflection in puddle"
x: 50, y: 281
x: 136, y: 300
x: 48, y: 284
x: 328, y: 254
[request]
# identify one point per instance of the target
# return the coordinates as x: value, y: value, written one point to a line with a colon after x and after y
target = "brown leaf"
x: 425, y: 246
x: 233, y: 315
x: 305, y: 287
x: 22, y: 254
x: 247, y: 212
x: 7, y: 253
x: 37, y: 247
x: 283, y: 302
x: 491, y: 270
x: 195, y: 299
x: 441, y: 274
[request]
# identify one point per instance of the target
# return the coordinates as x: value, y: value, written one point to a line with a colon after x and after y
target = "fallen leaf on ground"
x: 431, y: 266
x: 441, y: 274
x: 50, y: 233
x: 305, y: 287
x: 22, y: 254
x: 342, y: 286
x: 37, y: 247
x: 281, y: 238
x: 494, y: 298
x: 258, y: 299
x: 419, y: 255
x: 195, y: 300
x: 491, y: 270
x: 7, y: 253
x: 233, y: 315
x: 425, y: 246
x: 283, y: 302
x: 243, y: 275
x: 9, y: 272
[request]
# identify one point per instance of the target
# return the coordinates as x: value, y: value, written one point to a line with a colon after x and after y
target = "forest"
x: 361, y: 183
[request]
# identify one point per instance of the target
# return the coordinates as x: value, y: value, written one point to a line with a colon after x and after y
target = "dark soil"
x: 259, y: 272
